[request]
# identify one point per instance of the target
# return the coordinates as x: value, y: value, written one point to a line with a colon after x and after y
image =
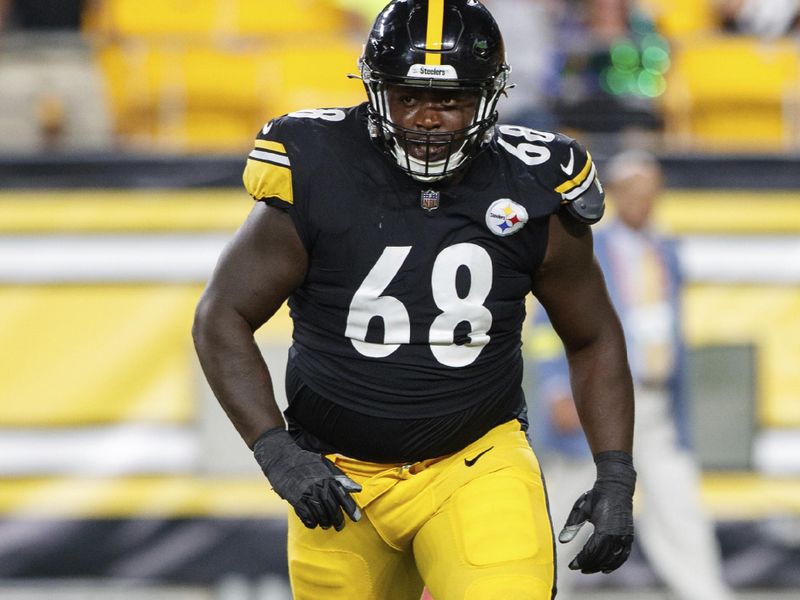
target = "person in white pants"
x: 643, y: 278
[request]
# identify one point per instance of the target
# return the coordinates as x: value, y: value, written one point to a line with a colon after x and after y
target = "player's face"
x: 430, y: 111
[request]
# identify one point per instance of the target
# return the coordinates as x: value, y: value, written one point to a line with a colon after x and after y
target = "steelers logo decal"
x: 505, y: 217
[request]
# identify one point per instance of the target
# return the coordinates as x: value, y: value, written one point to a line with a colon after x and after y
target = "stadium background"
x: 120, y: 476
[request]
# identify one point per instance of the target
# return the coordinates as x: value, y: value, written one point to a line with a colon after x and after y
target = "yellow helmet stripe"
x: 433, y: 36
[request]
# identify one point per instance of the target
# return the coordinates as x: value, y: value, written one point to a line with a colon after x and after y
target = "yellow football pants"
x: 472, y: 526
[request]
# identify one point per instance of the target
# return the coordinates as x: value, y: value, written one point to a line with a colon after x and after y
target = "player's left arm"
x: 570, y: 286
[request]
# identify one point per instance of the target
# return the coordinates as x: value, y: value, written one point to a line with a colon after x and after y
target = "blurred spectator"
x: 51, y: 95
x: 763, y: 18
x: 643, y: 279
x: 610, y: 66
x: 529, y: 36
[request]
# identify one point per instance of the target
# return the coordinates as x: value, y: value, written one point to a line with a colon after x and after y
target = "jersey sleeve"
x: 274, y: 174
x: 268, y: 172
x: 573, y: 175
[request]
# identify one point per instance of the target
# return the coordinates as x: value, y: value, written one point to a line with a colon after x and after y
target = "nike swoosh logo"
x: 471, y: 461
x: 568, y: 167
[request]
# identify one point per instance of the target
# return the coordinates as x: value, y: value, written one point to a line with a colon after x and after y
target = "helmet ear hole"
x: 481, y: 49
x: 414, y: 44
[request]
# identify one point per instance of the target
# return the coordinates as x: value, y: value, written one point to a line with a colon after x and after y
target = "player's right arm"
x: 263, y: 264
x: 260, y: 268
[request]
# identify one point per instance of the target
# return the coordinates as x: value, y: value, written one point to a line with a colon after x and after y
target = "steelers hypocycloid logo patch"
x: 505, y: 217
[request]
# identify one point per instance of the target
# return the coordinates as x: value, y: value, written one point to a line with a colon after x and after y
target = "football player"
x: 406, y: 233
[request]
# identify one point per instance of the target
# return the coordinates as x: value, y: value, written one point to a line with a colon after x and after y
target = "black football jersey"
x: 414, y: 299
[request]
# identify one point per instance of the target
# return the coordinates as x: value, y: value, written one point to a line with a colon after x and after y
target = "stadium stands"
x: 199, y: 76
x: 187, y: 75
x: 734, y: 93
x: 681, y: 18
x: 201, y: 18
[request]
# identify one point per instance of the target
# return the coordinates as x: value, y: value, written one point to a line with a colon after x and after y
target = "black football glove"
x: 609, y: 507
x: 313, y: 485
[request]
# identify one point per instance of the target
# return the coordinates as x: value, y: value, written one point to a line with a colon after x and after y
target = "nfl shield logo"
x: 429, y: 200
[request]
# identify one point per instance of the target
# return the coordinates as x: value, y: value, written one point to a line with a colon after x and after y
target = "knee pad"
x: 329, y: 574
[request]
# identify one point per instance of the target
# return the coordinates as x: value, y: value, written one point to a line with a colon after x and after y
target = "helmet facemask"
x: 458, y: 146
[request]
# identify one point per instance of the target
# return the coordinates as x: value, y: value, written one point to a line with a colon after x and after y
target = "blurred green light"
x: 655, y: 60
x: 651, y: 84
x: 618, y: 82
x: 624, y: 56
x: 655, y: 40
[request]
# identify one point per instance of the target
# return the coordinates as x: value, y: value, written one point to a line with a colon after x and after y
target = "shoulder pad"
x: 562, y: 165
x: 575, y: 179
x: 268, y: 172
x: 590, y: 206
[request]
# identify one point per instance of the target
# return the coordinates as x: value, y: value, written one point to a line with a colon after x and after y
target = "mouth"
x: 426, y: 150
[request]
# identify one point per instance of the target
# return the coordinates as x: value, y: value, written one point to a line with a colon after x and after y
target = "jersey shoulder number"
x: 561, y: 164
x: 269, y: 168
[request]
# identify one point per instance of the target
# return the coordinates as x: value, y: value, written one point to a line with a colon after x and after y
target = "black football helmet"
x: 447, y: 44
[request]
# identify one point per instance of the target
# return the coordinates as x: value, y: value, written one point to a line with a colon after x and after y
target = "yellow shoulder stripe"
x: 270, y: 145
x: 433, y: 35
x: 578, y: 179
x: 268, y: 180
